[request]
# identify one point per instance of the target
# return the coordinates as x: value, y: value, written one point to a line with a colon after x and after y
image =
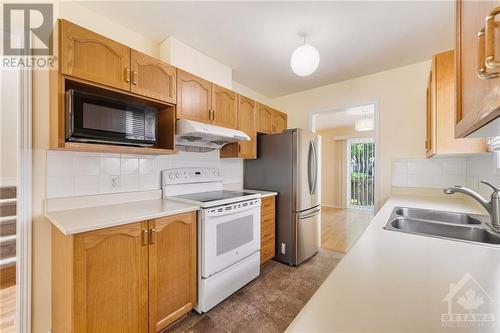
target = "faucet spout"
x: 476, y: 196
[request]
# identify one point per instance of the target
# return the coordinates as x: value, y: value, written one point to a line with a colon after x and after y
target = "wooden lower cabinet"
x: 267, y: 229
x: 134, y: 278
x: 172, y: 269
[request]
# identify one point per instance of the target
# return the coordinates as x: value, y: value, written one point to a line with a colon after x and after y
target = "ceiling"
x: 257, y: 38
x: 347, y: 117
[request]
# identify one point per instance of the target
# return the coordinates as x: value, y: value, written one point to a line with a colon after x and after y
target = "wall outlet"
x: 283, y: 248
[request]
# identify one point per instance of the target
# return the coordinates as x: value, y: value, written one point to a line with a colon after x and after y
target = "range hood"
x: 195, y: 136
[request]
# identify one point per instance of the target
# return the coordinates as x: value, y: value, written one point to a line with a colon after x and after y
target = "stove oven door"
x: 229, y: 234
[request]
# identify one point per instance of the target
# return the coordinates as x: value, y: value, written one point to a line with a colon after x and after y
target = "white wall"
x: 400, y: 94
x: 9, y: 113
x: 191, y: 60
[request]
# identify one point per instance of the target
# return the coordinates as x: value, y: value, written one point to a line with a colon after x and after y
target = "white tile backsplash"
x: 74, y: 174
x: 443, y: 172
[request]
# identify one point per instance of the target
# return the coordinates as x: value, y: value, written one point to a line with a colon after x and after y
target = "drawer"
x: 267, y: 251
x: 266, y: 233
x: 267, y: 205
x: 267, y: 219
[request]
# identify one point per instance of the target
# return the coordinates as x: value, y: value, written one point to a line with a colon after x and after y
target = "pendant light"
x: 305, y: 59
x: 364, y: 124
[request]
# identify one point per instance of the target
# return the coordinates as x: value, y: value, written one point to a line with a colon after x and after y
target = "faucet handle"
x: 489, y: 184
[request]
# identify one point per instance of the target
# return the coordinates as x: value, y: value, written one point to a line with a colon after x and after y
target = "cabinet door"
x: 111, y: 280
x: 278, y: 122
x: 247, y: 123
x: 194, y: 97
x: 477, y: 98
x: 264, y: 118
x: 225, y: 107
x: 431, y: 115
x: 90, y: 56
x: 152, y: 78
x: 172, y: 269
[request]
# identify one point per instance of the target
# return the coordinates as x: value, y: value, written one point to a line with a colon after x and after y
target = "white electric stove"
x: 228, y: 231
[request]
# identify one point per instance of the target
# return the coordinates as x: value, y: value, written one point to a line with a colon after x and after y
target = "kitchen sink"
x: 449, y: 225
x: 434, y: 215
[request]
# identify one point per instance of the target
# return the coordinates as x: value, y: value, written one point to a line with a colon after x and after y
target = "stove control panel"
x: 190, y: 175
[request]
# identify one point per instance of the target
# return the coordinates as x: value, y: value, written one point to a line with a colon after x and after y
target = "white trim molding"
x: 24, y: 213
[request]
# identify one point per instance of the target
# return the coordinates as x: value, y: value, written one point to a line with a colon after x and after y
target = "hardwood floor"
x: 268, y: 304
x: 7, y: 309
x: 340, y: 228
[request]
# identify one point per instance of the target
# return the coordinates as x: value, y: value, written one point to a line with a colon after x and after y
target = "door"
x: 111, y: 280
x: 152, y: 78
x: 264, y: 116
x: 229, y: 235
x: 172, y: 269
x: 308, y: 233
x: 361, y: 173
x: 194, y: 97
x: 279, y: 120
x: 308, y: 170
x: 477, y: 85
x: 225, y: 107
x: 247, y: 124
x: 90, y: 56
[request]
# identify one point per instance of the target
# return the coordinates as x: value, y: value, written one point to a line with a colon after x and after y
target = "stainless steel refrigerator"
x: 290, y: 163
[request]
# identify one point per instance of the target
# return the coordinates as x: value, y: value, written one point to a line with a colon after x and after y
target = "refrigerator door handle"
x: 310, y: 158
x: 316, y: 212
x: 315, y: 158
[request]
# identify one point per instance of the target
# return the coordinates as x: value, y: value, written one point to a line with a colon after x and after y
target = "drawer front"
x: 267, y: 206
x: 267, y: 251
x: 267, y: 228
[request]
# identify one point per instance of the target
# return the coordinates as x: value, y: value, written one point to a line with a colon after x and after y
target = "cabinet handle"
x: 481, y: 66
x: 145, y: 238
x: 134, y: 77
x: 491, y: 24
x: 152, y: 236
x: 127, y: 74
x: 213, y: 114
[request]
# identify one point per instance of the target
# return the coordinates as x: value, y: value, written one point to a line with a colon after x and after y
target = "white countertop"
x: 263, y: 194
x: 73, y: 221
x: 396, y: 282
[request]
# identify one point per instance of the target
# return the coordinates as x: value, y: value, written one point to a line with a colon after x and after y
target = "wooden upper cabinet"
x: 477, y: 98
x: 441, y: 111
x: 264, y: 118
x: 90, y: 56
x: 111, y: 280
x: 279, y: 122
x: 152, y: 78
x: 172, y: 269
x: 247, y: 123
x: 224, y: 107
x: 194, y: 97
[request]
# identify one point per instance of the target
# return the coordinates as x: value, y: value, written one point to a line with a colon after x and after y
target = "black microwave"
x: 101, y: 119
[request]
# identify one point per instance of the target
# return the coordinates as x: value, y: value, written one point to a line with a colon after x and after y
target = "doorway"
x: 348, y: 172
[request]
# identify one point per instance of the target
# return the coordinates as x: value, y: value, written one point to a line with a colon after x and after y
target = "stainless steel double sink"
x: 441, y: 224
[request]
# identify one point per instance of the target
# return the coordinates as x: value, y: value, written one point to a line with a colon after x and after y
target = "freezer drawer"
x: 308, y: 233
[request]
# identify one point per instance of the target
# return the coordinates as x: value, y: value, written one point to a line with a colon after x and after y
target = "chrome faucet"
x: 493, y: 206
